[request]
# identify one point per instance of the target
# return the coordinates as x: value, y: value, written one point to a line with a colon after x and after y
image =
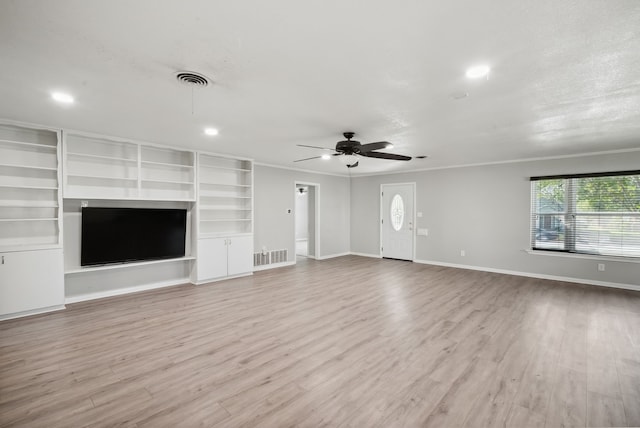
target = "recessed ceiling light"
x: 326, y: 156
x: 62, y: 97
x: 478, y: 71
x: 211, y: 131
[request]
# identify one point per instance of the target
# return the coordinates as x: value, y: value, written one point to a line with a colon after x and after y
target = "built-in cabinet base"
x: 32, y: 282
x: 220, y: 258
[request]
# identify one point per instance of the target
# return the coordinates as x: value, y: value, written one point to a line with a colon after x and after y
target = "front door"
x: 396, y: 222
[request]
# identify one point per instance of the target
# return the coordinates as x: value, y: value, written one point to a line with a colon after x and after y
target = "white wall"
x: 485, y: 211
x: 274, y: 227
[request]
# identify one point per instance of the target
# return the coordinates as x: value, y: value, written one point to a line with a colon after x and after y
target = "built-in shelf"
x: 225, y: 187
x: 29, y: 185
x: 43, y: 168
x: 226, y: 219
x: 103, y: 177
x: 105, y: 168
x: 52, y: 147
x: 222, y: 208
x: 209, y: 183
x: 205, y: 194
x: 224, y: 168
x: 188, y: 183
x: 27, y: 219
x: 124, y: 265
x: 28, y: 204
x: 171, y: 165
x: 111, y: 158
x: 223, y: 234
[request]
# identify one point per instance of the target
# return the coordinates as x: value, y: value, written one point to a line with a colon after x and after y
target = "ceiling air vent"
x: 191, y: 78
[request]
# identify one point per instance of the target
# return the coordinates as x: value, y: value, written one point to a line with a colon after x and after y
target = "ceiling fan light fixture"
x: 389, y: 146
x: 348, y: 159
x: 326, y: 156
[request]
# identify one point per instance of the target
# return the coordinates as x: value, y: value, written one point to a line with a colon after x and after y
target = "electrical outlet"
x: 601, y: 267
x: 423, y: 232
x: 463, y: 253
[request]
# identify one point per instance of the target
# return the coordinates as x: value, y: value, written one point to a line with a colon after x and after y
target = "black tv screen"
x: 120, y: 235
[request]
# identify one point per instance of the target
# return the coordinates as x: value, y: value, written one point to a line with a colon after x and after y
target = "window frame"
x: 571, y: 213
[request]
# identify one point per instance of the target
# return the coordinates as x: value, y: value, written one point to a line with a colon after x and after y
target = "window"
x: 587, y: 213
x: 397, y: 212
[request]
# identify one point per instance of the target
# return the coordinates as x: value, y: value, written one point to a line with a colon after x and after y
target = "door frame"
x: 415, y: 228
x: 316, y: 213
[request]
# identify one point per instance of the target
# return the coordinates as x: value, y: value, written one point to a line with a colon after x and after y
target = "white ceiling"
x: 565, y: 75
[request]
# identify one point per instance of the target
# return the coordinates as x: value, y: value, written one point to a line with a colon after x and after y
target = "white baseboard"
x: 332, y: 256
x: 375, y: 256
x: 127, y: 290
x: 222, y: 278
x: 534, y: 275
x: 273, y: 266
x: 31, y: 312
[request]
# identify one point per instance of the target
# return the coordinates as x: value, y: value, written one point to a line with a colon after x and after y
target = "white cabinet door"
x: 31, y: 280
x: 212, y: 258
x: 240, y: 250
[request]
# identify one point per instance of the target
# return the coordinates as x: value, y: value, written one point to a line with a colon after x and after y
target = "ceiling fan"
x: 350, y: 149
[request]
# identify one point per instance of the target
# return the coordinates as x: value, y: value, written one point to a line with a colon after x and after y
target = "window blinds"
x: 587, y: 213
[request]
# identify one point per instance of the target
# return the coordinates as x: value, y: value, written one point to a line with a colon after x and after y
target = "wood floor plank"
x: 345, y: 342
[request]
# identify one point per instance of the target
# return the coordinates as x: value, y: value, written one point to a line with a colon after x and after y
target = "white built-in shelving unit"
x: 29, y: 197
x: 48, y: 175
x: 31, y: 277
x: 225, y: 217
x: 105, y: 168
x: 225, y: 196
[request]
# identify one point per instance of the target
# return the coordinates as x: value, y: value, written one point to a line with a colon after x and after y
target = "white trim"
x: 273, y: 266
x: 333, y: 256
x: 127, y: 290
x: 534, y: 275
x: 222, y: 278
x: 522, y: 160
x: 301, y: 170
x: 375, y: 256
x: 37, y: 126
x: 31, y: 312
x: 583, y: 256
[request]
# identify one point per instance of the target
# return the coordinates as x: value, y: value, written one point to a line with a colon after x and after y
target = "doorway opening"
x: 306, y: 220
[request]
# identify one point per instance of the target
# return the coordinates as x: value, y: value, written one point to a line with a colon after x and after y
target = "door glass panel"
x: 397, y: 212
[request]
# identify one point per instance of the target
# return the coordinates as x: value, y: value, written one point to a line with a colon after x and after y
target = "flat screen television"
x: 121, y: 235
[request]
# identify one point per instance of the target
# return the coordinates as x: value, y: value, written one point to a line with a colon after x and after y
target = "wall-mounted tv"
x: 121, y: 235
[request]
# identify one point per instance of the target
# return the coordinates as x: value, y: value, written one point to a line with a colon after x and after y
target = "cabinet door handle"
x: 2, y: 259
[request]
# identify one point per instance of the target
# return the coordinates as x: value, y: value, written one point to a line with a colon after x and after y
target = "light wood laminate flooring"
x: 350, y: 342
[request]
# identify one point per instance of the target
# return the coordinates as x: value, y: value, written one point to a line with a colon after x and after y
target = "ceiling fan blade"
x: 374, y: 146
x: 306, y: 159
x: 313, y: 147
x: 391, y: 156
